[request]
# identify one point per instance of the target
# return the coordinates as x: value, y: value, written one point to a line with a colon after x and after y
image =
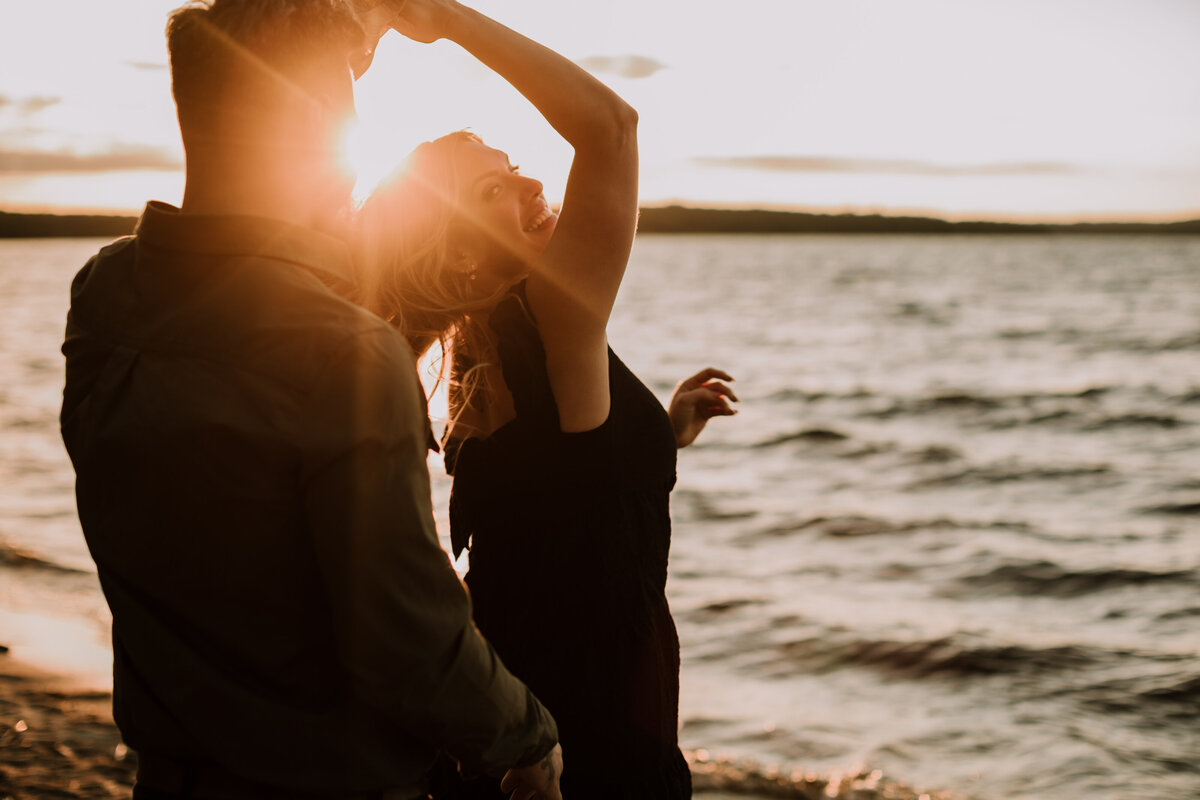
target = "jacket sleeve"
x: 403, y: 617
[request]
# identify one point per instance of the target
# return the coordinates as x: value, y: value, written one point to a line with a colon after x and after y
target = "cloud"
x: 34, y: 104
x: 114, y: 160
x: 624, y: 66
x: 147, y: 66
x: 29, y: 105
x: 884, y: 166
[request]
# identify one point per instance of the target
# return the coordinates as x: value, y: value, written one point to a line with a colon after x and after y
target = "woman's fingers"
x: 707, y: 402
x: 705, y: 375
x: 719, y: 388
x: 708, y: 395
x: 717, y: 408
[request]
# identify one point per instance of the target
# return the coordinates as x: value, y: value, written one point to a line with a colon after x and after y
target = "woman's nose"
x: 531, y: 187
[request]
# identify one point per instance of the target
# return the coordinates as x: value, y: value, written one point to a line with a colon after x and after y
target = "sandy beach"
x: 58, y: 740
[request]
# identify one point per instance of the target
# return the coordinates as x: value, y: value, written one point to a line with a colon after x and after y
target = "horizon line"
x: 1083, y: 218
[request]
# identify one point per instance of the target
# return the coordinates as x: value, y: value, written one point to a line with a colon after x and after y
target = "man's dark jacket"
x: 251, y: 480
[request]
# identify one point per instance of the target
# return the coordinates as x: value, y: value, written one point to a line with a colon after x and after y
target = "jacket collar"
x: 164, y: 225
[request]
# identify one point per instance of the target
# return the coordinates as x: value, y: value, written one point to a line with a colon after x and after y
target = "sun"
x: 369, y: 158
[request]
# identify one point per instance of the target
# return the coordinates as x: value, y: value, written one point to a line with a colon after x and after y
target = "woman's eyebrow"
x: 495, y: 173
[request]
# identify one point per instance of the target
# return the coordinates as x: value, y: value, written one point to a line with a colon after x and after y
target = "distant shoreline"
x: 677, y: 219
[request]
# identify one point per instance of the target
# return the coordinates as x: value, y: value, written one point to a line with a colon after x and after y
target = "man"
x: 250, y: 459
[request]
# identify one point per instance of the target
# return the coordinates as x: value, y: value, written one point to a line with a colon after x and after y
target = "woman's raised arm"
x: 574, y: 283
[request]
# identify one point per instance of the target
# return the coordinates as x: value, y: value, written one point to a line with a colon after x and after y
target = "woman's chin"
x: 500, y: 278
x: 544, y: 233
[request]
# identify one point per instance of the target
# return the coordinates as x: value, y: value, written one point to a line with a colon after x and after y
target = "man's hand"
x: 696, y: 401
x: 375, y: 16
x: 537, y: 781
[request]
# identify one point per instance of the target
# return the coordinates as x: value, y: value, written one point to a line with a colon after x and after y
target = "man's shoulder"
x: 116, y: 252
x: 253, y: 315
x: 99, y: 291
x: 366, y: 386
x: 362, y: 345
x: 349, y: 329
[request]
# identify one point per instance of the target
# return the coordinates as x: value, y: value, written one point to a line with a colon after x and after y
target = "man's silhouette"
x: 250, y: 458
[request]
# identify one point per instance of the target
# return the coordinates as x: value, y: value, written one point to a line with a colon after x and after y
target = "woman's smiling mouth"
x: 539, y: 220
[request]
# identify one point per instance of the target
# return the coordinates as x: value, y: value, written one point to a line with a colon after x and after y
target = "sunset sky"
x: 963, y: 108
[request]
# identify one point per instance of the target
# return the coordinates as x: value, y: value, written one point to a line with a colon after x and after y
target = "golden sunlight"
x: 370, y: 158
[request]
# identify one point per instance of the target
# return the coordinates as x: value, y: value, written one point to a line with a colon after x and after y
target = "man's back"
x: 250, y: 458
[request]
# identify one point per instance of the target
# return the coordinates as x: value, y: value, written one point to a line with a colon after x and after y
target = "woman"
x: 562, y: 459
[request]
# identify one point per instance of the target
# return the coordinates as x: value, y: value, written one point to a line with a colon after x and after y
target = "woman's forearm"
x: 583, y: 110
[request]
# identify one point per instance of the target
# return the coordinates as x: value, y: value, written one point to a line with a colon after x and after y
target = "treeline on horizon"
x: 671, y: 219
x: 681, y: 219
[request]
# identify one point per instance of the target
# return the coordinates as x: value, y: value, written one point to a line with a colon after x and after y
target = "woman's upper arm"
x: 574, y: 284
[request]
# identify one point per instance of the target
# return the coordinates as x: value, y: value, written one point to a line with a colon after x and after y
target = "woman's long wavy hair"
x: 409, y: 272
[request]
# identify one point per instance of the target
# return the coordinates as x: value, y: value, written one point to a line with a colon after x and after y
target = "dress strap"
x: 523, y: 361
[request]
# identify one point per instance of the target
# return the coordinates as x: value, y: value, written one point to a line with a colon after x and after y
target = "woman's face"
x: 503, y: 221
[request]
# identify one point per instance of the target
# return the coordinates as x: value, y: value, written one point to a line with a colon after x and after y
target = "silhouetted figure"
x: 250, y: 459
x: 563, y: 461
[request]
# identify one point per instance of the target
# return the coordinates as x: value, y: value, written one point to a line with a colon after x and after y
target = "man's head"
x: 265, y: 82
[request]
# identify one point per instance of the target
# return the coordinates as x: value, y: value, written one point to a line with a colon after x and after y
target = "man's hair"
x: 259, y: 47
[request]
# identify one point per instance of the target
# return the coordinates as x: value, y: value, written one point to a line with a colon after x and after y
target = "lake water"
x: 954, y: 533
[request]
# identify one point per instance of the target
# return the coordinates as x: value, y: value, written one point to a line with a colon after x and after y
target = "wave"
x: 1046, y: 579
x: 1135, y: 421
x: 1161, y: 700
x: 930, y: 454
x: 852, y: 525
x: 1187, y: 341
x: 1017, y: 334
x: 923, y: 312
x: 954, y: 401
x: 813, y: 435
x: 1183, y: 693
x: 720, y: 608
x: 789, y: 394
x: 1088, y: 421
x: 936, y: 454
x: 1080, y: 410
x: 15, y: 557
x: 745, y: 777
x: 708, y: 506
x: 1006, y: 473
x: 1177, y: 509
x: 1179, y: 613
x: 950, y: 655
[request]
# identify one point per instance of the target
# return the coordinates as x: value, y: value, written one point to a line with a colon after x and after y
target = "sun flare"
x: 369, y: 157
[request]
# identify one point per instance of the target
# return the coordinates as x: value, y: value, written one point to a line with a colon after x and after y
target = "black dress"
x: 569, y: 534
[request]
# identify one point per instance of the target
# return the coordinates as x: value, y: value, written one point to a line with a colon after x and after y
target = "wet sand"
x: 58, y: 740
x: 745, y: 780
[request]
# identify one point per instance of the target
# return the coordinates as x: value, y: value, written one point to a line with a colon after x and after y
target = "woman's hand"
x: 696, y: 401
x: 425, y: 20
